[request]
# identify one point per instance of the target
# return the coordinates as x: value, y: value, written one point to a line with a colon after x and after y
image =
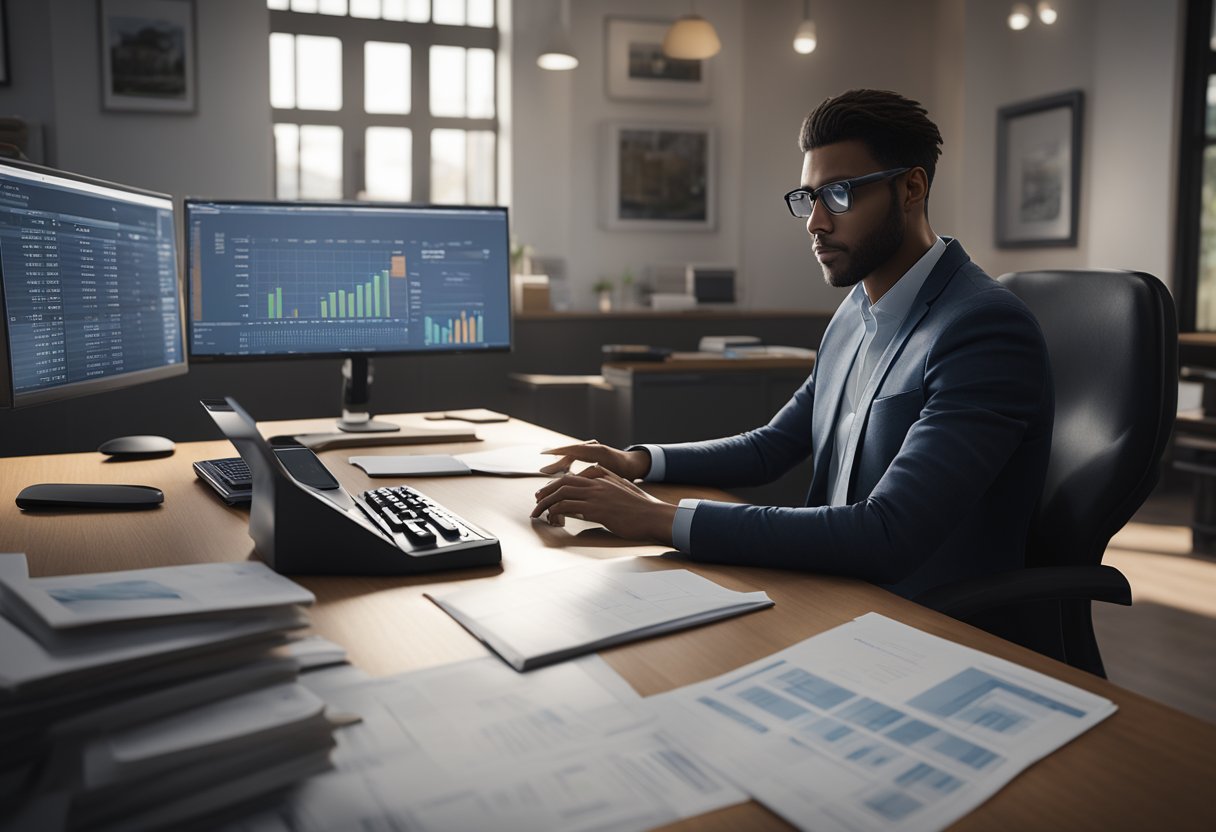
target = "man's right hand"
x: 632, y: 465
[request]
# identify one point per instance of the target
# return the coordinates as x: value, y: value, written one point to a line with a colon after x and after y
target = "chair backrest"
x: 1112, y: 338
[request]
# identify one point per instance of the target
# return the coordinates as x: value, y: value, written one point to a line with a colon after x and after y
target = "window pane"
x: 386, y: 77
x: 319, y: 73
x: 287, y: 161
x: 447, y: 80
x: 320, y: 162
x: 481, y: 83
x: 282, y: 70
x: 481, y: 169
x: 388, y: 172
x: 415, y: 11
x: 369, y: 9
x: 309, y: 6
x: 1211, y: 111
x: 1205, y: 315
x: 481, y: 13
x: 447, y: 166
x: 334, y: 7
x: 280, y: 5
x: 450, y: 12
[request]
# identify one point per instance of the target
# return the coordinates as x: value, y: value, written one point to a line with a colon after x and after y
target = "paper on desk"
x: 546, y: 618
x: 516, y: 460
x: 411, y: 465
x: 475, y: 745
x: 13, y: 568
x: 876, y: 725
x: 67, y: 602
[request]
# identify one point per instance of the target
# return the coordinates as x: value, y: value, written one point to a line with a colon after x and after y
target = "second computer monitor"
x: 280, y: 279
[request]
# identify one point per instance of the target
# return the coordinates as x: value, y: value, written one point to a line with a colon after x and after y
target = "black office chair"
x: 1112, y: 337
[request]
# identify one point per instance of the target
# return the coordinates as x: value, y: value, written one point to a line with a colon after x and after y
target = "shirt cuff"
x: 658, y: 463
x: 681, y: 527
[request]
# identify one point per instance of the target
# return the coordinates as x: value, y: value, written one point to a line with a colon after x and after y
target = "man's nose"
x: 820, y: 220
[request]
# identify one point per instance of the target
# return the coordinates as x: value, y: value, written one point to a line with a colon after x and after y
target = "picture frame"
x: 636, y: 68
x: 1038, y: 167
x: 6, y: 77
x: 148, y: 61
x: 661, y: 177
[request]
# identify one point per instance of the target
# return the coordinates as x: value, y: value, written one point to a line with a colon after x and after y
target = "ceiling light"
x: 805, y: 39
x: 558, y: 53
x: 691, y: 38
x: 1047, y: 12
x: 1019, y: 17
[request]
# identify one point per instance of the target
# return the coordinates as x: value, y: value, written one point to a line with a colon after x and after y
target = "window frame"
x: 351, y: 117
x: 1199, y: 64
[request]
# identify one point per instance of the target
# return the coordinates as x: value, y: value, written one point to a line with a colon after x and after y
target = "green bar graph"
x: 371, y: 298
x: 270, y: 306
x: 278, y: 302
x: 324, y: 310
x: 375, y: 289
x: 341, y: 303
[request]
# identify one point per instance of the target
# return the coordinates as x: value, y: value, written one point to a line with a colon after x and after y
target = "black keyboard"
x: 230, y: 477
x: 423, y: 523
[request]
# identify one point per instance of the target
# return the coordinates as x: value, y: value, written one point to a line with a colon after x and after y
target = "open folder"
x: 547, y: 618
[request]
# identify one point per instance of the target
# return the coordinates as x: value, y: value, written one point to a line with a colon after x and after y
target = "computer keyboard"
x: 230, y: 477
x: 233, y: 471
x: 418, y: 521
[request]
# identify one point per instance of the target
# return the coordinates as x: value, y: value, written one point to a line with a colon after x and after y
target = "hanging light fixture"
x: 1047, y: 12
x: 1019, y: 17
x: 558, y: 53
x: 691, y: 38
x: 806, y: 39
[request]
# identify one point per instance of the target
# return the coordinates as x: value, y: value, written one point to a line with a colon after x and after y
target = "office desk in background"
x: 1146, y: 767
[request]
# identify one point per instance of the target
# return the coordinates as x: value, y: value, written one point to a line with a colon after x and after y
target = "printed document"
x: 877, y: 725
x: 550, y: 617
x: 475, y: 745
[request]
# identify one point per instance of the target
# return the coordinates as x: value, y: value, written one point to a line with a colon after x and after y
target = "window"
x: 385, y: 100
x: 1196, y: 253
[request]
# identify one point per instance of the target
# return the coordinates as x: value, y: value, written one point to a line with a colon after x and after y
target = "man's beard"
x: 876, y: 249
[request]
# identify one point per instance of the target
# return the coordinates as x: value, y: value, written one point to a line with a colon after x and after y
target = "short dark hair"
x: 895, y: 130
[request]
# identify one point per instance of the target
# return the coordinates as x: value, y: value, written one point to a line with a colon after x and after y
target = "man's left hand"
x: 600, y: 496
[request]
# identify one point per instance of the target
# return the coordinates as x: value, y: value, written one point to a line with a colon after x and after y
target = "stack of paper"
x: 547, y: 618
x: 150, y: 697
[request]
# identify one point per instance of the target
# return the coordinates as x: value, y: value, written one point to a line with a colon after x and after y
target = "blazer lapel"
x: 829, y: 386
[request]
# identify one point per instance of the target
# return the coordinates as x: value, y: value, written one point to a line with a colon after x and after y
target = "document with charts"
x: 546, y: 618
x: 877, y: 725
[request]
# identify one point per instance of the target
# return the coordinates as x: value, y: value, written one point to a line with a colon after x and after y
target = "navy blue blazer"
x: 948, y: 451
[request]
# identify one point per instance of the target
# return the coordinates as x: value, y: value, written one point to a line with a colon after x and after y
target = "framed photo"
x: 638, y: 69
x: 147, y: 55
x: 661, y: 177
x: 1038, y: 173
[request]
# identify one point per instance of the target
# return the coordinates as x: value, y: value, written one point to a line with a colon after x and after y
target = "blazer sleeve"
x: 752, y: 458
x: 985, y: 381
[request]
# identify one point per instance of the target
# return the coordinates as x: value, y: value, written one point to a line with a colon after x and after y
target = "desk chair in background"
x: 1112, y: 338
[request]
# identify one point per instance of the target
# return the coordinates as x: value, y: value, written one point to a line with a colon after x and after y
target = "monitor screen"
x: 281, y: 279
x: 90, y: 293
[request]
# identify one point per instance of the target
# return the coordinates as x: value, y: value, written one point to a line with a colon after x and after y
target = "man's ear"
x: 917, y: 184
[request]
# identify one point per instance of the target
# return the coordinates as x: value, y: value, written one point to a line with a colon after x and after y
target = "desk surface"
x: 1148, y: 766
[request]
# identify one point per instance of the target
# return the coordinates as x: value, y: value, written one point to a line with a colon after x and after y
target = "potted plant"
x: 603, y: 288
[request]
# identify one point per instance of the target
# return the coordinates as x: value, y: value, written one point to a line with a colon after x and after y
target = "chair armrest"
x: 964, y: 599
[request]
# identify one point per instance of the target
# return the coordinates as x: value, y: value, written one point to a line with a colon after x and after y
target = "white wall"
x: 223, y: 149
x: 1125, y: 56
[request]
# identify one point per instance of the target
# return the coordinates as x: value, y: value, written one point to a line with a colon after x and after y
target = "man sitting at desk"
x: 927, y: 417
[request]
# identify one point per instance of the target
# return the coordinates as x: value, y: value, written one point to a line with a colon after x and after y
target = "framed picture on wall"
x: 1038, y: 171
x: 660, y: 177
x: 637, y: 68
x: 147, y: 55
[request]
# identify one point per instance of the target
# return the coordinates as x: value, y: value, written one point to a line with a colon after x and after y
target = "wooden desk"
x: 1147, y: 767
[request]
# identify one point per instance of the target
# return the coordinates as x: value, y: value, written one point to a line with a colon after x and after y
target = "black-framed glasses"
x: 837, y: 196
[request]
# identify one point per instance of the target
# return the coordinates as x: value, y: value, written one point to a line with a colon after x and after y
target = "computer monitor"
x: 88, y: 286
x: 349, y: 280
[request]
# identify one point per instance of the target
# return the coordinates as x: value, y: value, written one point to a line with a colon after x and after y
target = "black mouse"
x: 137, y: 446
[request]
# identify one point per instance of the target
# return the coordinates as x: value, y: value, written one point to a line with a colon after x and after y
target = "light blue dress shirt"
x: 879, y: 321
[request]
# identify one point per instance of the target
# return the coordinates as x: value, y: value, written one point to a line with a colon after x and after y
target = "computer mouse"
x: 137, y: 446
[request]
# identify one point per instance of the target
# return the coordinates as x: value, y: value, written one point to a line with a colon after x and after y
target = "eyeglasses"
x: 837, y: 196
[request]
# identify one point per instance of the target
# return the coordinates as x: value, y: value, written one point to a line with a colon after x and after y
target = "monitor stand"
x: 356, y: 390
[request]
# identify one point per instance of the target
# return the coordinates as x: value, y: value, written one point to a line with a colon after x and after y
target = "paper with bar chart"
x: 876, y: 725
x: 276, y: 279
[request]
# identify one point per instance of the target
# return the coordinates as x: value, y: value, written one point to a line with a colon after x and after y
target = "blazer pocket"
x: 898, y: 402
